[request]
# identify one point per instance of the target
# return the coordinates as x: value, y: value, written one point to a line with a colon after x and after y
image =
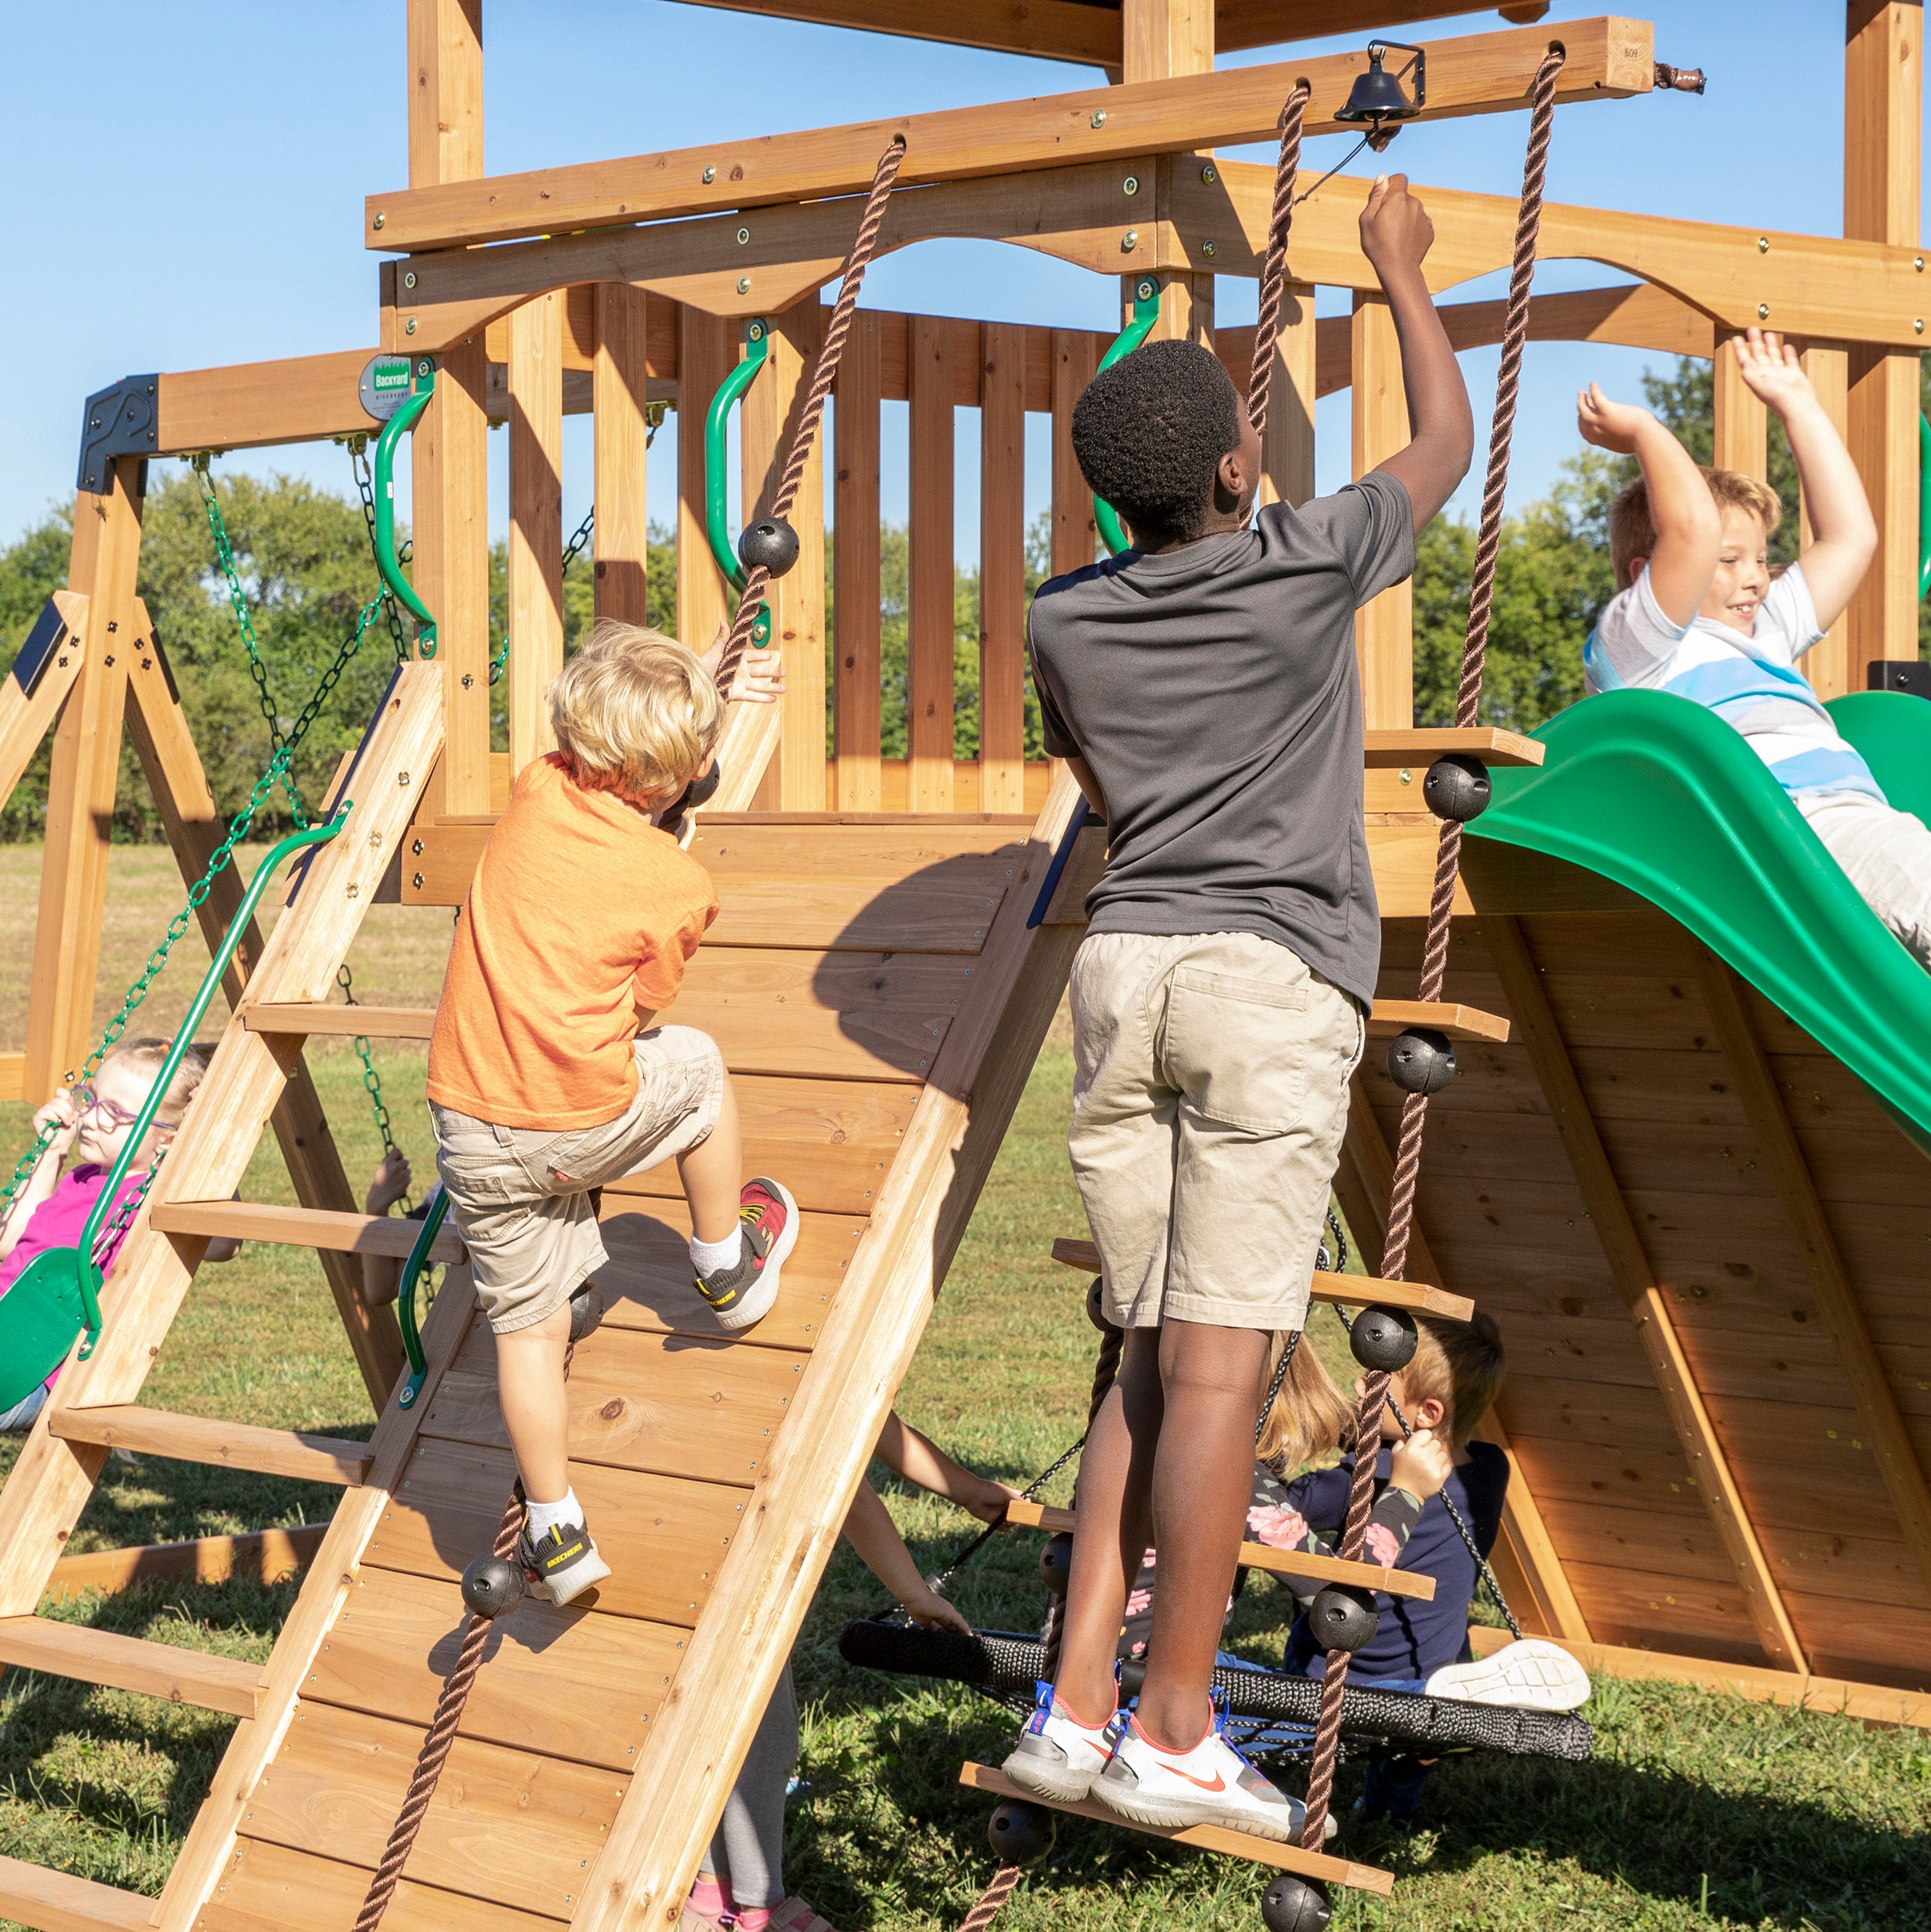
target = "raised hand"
x: 61, y: 1113
x: 1396, y: 232
x: 1421, y: 1464
x: 759, y: 678
x: 1609, y: 425
x: 389, y: 1183
x: 1771, y: 371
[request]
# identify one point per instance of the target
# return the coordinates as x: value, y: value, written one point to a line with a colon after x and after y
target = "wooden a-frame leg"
x: 194, y: 828
x: 26, y: 719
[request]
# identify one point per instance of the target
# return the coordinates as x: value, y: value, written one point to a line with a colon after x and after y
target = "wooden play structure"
x: 1701, y: 1228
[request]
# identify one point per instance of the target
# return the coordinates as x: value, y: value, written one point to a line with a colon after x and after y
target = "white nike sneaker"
x: 1529, y: 1673
x: 1056, y: 1756
x: 1213, y: 1784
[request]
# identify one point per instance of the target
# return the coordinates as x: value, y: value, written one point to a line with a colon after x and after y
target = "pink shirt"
x: 58, y: 1221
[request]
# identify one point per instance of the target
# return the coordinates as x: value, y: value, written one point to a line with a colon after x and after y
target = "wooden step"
x: 53, y: 1902
x: 269, y: 1555
x: 248, y: 1220
x: 307, y: 1019
x: 1350, y: 1291
x: 232, y: 1446
x: 1207, y: 1838
x: 1259, y: 1556
x: 276, y: 1886
x: 1458, y: 1022
x: 1422, y: 744
x: 132, y: 1663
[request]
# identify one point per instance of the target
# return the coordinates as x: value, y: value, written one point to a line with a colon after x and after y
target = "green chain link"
x: 371, y: 1080
x: 277, y: 772
x: 365, y: 488
x: 571, y: 551
x: 123, y: 1215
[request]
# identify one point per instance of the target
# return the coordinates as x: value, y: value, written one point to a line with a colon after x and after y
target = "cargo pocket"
x: 1238, y: 1048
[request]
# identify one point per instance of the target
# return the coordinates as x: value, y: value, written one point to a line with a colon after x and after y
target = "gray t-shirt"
x: 1213, y: 691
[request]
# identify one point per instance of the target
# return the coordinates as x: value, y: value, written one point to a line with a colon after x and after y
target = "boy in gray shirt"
x: 1203, y: 685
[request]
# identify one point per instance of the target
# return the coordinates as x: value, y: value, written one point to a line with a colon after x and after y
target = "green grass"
x: 1697, y: 1810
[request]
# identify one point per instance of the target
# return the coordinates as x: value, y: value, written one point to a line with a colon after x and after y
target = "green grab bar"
x: 717, y: 488
x: 412, y: 1272
x: 1924, y: 509
x: 422, y: 387
x: 76, y: 1267
x: 1146, y: 312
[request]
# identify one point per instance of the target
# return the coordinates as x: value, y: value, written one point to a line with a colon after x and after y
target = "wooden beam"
x: 1160, y: 40
x: 445, y: 91
x: 254, y: 405
x: 855, y: 396
x: 228, y: 1445
x: 621, y: 459
x: 26, y: 717
x: 130, y: 1663
x: 1457, y: 1022
x: 1002, y: 569
x: 52, y: 1901
x: 266, y: 1555
x: 1267, y: 23
x: 1384, y: 626
x: 535, y: 567
x: 393, y: 1235
x: 1391, y: 748
x: 1287, y: 451
x: 1484, y: 73
x: 1629, y: 1265
x: 1741, y: 427
x: 372, y: 1023
x: 1827, y: 665
x: 1809, y: 1222
x: 82, y: 780
x: 1046, y: 30
x: 930, y: 695
x: 1075, y: 534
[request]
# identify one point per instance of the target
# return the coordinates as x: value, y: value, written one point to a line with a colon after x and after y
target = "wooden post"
x: 1160, y: 40
x: 535, y: 572
x: 1287, y: 451
x: 622, y: 431
x: 1384, y: 629
x: 445, y: 91
x: 1827, y: 665
x: 1883, y: 124
x: 1074, y: 533
x: 707, y: 351
x: 1002, y: 568
x: 929, y: 692
x: 855, y: 576
x: 1740, y: 424
x: 81, y: 782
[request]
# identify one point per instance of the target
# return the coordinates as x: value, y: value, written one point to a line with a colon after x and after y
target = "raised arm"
x: 919, y: 1459
x: 1395, y: 233
x: 1844, y: 533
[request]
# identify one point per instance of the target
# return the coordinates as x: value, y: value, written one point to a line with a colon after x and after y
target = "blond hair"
x: 1310, y: 1417
x: 1459, y: 1364
x: 1632, y: 533
x: 147, y: 1056
x: 634, y: 712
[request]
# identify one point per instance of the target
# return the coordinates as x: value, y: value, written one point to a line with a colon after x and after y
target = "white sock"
x: 545, y: 1516
x: 707, y: 1257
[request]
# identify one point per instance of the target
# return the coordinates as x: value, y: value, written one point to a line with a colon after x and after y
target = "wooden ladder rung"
x: 1442, y: 1016
x: 57, y: 1902
x: 1208, y: 1838
x: 307, y: 1019
x: 1422, y: 744
x: 132, y: 1663
x: 247, y: 1221
x: 232, y: 1446
x: 1351, y: 1291
x: 1259, y: 1556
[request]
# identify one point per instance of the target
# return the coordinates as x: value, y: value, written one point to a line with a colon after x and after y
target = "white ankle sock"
x: 707, y: 1257
x: 545, y: 1516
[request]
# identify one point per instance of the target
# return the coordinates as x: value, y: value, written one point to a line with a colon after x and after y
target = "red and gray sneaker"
x: 740, y: 1295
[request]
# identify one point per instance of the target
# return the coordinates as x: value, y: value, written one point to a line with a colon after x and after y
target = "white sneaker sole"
x: 1065, y: 1786
x: 1530, y: 1675
x: 1176, y: 1811
x: 756, y: 1306
x: 584, y: 1574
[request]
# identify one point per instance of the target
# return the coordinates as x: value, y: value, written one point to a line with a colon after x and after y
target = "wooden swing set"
x: 1697, y: 1339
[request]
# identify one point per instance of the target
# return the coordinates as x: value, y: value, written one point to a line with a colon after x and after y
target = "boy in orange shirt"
x: 546, y: 1077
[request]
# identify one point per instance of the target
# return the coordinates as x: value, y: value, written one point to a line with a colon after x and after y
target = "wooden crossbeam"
x: 1389, y: 748
x: 27, y: 716
x: 232, y: 1445
x: 1260, y: 1556
x: 1046, y: 30
x: 268, y: 1555
x: 247, y: 1221
x: 1351, y: 1291
x: 52, y: 1901
x: 1441, y: 1016
x: 306, y: 1019
x: 1483, y: 73
x: 131, y: 1663
x: 1207, y: 1838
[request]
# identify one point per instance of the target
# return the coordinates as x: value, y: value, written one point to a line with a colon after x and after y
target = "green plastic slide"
x: 1661, y: 795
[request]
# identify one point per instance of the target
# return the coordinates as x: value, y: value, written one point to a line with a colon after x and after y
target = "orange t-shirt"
x: 582, y: 911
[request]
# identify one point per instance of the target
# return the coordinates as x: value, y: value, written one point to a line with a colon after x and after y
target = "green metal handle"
x: 422, y: 387
x: 716, y: 506
x: 1924, y: 509
x: 1146, y: 312
x: 90, y: 1273
x: 412, y: 1272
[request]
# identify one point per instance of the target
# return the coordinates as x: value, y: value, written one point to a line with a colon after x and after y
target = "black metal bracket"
x: 1899, y: 673
x: 121, y: 420
x: 30, y: 663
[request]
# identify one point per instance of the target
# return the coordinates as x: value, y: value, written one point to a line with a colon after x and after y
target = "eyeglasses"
x: 94, y: 1102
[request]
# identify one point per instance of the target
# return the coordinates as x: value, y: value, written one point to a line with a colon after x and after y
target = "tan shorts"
x: 522, y: 1197
x: 1209, y: 1098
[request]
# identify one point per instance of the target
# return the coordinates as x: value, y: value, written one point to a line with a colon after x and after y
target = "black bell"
x: 1376, y: 95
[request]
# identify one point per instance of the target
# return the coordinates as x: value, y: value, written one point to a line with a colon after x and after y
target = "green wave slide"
x: 1661, y: 795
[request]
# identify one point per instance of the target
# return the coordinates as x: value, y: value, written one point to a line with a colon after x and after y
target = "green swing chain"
x: 571, y: 551
x: 371, y: 1080
x: 365, y: 489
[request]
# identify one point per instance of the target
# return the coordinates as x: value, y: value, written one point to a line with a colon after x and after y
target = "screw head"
x: 1917, y: 262
x: 1763, y: 311
x: 744, y: 284
x: 756, y: 331
x: 1131, y: 184
x: 1099, y: 118
x: 1208, y: 175
x: 1918, y: 326
x: 1129, y: 241
x: 744, y: 236
x: 1763, y: 244
x: 380, y: 218
x: 408, y: 327
x: 1206, y: 249
x: 709, y: 176
x: 409, y: 281
x: 1142, y: 292
x: 417, y: 882
x: 468, y: 681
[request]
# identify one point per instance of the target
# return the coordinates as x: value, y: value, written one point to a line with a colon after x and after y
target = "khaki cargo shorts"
x: 523, y: 1197
x: 1209, y: 1099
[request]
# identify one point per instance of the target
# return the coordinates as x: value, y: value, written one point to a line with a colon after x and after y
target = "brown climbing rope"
x: 1414, y: 1110
x: 853, y: 279
x: 983, y: 1914
x: 436, y: 1745
x: 1267, y: 327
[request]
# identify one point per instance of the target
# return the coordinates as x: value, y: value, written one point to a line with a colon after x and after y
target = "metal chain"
x: 137, y: 992
x: 371, y: 1080
x: 365, y: 488
x: 123, y: 1215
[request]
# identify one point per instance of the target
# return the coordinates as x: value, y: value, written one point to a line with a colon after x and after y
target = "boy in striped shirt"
x: 1697, y: 613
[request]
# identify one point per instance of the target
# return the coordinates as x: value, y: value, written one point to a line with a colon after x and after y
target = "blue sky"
x: 188, y: 181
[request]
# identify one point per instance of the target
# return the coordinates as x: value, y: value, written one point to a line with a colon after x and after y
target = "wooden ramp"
x: 1707, y: 1243
x: 880, y: 997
